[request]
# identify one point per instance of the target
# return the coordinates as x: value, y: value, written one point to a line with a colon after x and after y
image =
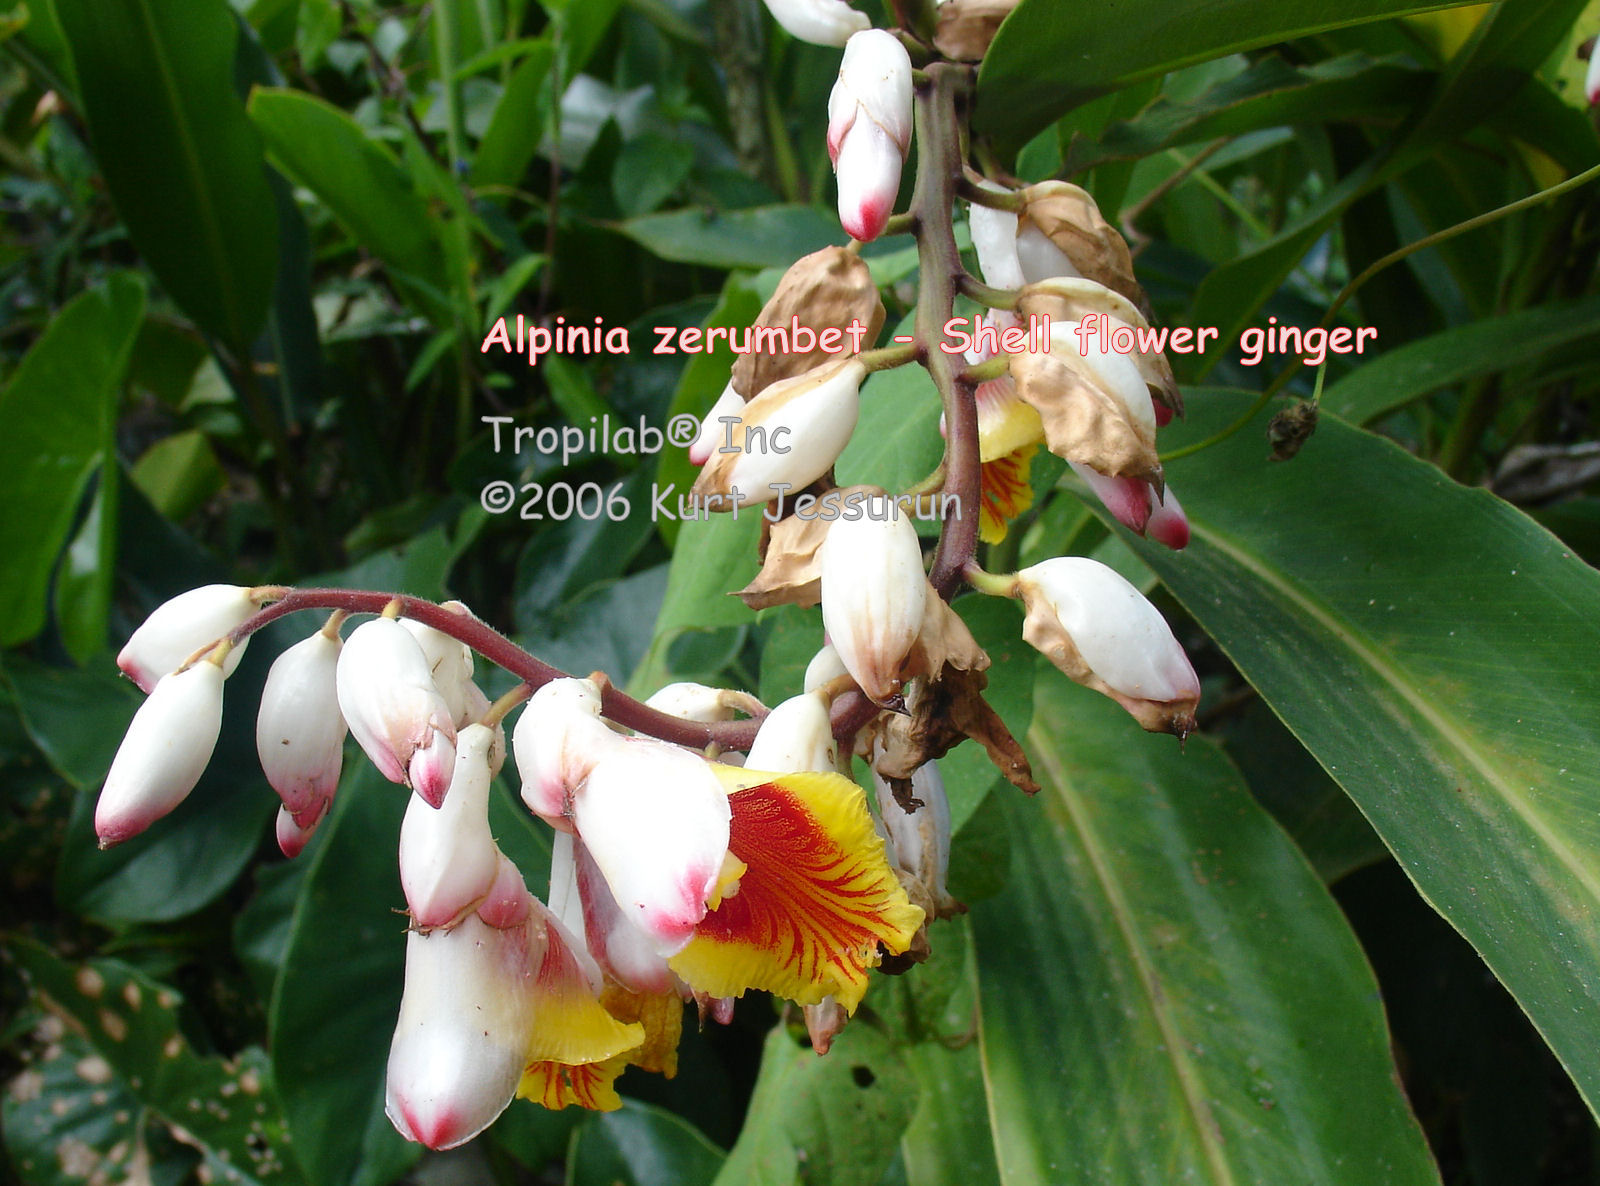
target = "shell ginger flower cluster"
x: 675, y: 878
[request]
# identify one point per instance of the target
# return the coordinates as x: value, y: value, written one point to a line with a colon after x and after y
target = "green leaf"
x: 179, y: 473
x: 647, y: 172
x: 765, y: 237
x: 338, y: 994
x: 1167, y: 991
x: 1496, y: 344
x: 183, y: 164
x: 1433, y: 648
x: 223, y: 1107
x: 512, y: 138
x: 1048, y: 59
x: 896, y: 443
x: 1270, y: 93
x: 829, y: 1121
x: 60, y: 412
x: 640, y: 1145
x: 320, y: 147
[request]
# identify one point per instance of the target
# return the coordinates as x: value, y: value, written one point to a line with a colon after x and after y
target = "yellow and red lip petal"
x: 815, y: 903
x: 570, y: 1024
x: 556, y: 1085
x: 1005, y: 423
x: 1005, y: 492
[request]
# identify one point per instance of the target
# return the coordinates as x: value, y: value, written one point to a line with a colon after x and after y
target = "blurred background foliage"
x: 249, y: 255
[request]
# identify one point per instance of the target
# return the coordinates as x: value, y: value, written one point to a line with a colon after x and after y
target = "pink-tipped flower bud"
x: 1591, y: 79
x: 1100, y: 631
x: 181, y: 626
x: 795, y: 737
x: 448, y: 859
x: 1168, y: 524
x: 163, y: 754
x: 396, y: 714
x: 292, y: 836
x: 873, y: 594
x: 786, y: 438
x: 581, y: 899
x: 656, y: 820
x: 300, y: 730
x: 1136, y: 505
x: 821, y: 22
x: 869, y: 130
x: 466, y: 1019
x: 557, y: 740
x: 729, y: 403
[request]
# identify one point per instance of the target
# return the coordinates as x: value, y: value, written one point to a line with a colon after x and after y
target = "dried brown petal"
x: 791, y: 572
x: 966, y: 27
x: 1071, y: 298
x: 827, y: 289
x: 1070, y: 219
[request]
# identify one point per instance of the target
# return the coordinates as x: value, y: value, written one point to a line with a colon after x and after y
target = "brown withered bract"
x: 1083, y: 420
x: 945, y: 704
x: 826, y: 289
x: 966, y: 27
x: 1071, y: 298
x: 1070, y: 219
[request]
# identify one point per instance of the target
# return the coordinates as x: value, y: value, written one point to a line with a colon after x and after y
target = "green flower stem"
x: 993, y: 584
x: 994, y: 298
x: 889, y: 357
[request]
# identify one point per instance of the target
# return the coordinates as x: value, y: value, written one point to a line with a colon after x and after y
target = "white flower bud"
x: 1100, y: 631
x: 656, y: 819
x: 821, y: 22
x: 869, y: 130
x: 300, y: 730
x: 625, y: 952
x: 163, y: 754
x: 394, y: 711
x: 448, y: 860
x: 1039, y: 258
x: 994, y: 237
x: 292, y: 837
x: 787, y: 437
x: 795, y: 737
x: 557, y: 740
x: 697, y: 702
x: 1116, y: 372
x: 181, y: 626
x: 873, y: 594
x: 825, y: 666
x: 1591, y: 78
x: 466, y: 1019
x: 729, y: 403
x: 449, y: 660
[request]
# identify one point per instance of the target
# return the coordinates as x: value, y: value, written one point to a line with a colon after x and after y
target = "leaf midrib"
x: 1199, y: 1112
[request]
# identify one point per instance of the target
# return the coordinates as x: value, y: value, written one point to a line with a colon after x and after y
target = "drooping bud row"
x: 869, y: 130
x: 1101, y: 632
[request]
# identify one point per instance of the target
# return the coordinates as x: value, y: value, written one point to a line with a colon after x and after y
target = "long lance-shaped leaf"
x: 1167, y: 993
x: 1435, y: 650
x: 1050, y: 57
